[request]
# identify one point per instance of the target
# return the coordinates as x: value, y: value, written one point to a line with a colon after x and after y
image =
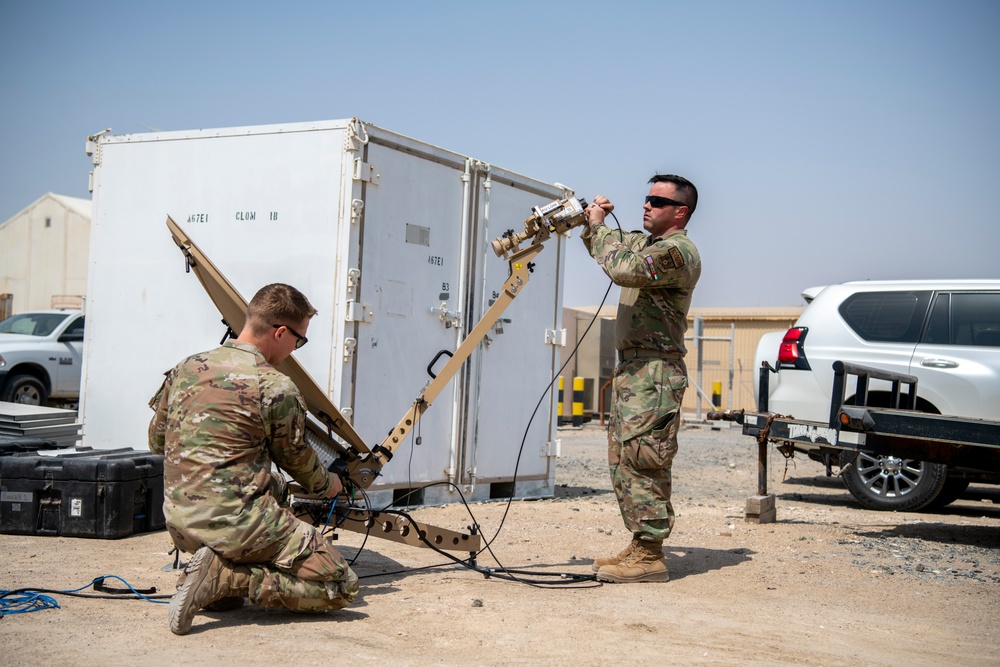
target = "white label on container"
x: 76, y: 507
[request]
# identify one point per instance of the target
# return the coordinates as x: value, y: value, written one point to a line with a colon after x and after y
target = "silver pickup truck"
x: 41, y: 353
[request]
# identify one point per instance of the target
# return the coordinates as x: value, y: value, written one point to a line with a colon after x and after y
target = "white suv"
x: 946, y: 333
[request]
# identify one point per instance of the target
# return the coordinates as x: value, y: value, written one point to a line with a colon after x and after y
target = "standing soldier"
x: 222, y: 418
x: 657, y: 273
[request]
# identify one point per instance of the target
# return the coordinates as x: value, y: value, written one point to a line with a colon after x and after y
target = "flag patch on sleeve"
x: 652, y: 267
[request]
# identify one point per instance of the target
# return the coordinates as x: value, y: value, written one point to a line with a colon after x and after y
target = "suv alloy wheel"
x: 891, y: 483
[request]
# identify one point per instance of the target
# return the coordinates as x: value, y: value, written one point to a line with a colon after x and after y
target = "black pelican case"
x: 81, y: 493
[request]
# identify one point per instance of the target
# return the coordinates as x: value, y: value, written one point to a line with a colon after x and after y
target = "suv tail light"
x: 791, y: 354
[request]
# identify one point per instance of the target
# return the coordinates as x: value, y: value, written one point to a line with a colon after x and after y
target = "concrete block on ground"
x: 760, y: 509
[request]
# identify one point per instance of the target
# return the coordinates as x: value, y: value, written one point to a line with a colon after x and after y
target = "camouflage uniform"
x: 222, y: 418
x: 657, y: 276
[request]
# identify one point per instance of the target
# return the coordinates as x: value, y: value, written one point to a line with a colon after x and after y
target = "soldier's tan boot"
x: 208, y: 579
x: 645, y: 564
x: 614, y: 560
x: 231, y: 603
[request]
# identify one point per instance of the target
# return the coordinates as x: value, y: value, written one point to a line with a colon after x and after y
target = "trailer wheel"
x: 26, y: 389
x: 891, y: 483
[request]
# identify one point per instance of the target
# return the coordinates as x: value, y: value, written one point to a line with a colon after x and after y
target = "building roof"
x: 606, y: 311
x: 81, y: 206
x: 727, y: 313
x: 748, y: 313
x: 76, y: 204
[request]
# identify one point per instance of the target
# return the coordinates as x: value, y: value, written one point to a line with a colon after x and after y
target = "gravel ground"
x: 829, y: 583
x: 952, y: 542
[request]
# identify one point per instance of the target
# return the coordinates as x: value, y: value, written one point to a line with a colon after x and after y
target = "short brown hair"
x: 277, y: 303
x: 685, y: 188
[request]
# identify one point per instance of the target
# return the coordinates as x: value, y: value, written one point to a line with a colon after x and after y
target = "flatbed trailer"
x: 895, y: 431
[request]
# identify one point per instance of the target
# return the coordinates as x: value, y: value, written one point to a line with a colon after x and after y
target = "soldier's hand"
x: 336, y: 486
x: 599, y: 209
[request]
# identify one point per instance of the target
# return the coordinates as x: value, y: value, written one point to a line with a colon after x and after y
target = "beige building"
x: 44, y: 252
x: 721, y: 343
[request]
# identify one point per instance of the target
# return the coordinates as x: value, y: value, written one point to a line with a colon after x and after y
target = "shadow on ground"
x: 977, y: 501
x: 945, y: 533
x: 565, y: 491
x: 820, y: 481
x: 690, y: 561
x: 263, y: 617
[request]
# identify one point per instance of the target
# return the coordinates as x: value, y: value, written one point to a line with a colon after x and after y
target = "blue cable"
x: 23, y: 603
x: 330, y: 515
x: 24, y: 600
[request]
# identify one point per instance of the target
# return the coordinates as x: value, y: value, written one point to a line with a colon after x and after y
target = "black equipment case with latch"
x: 88, y: 493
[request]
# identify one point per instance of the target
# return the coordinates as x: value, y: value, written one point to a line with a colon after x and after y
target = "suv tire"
x: 953, y: 489
x: 890, y: 483
x: 26, y: 389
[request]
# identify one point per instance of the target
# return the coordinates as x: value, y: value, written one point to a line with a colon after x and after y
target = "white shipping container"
x: 387, y: 236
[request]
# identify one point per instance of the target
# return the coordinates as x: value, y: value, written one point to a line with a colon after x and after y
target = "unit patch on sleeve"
x: 676, y: 256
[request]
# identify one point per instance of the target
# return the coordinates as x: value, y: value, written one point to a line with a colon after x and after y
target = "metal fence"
x: 711, y: 370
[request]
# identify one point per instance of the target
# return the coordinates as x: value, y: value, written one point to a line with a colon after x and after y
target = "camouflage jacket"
x: 658, y: 276
x: 221, y: 419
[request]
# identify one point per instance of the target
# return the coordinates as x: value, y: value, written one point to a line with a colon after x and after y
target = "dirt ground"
x: 828, y: 584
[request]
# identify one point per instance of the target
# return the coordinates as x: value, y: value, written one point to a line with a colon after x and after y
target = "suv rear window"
x: 888, y: 317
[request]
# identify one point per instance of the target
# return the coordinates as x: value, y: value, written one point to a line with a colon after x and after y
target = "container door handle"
x: 939, y: 363
x: 437, y: 356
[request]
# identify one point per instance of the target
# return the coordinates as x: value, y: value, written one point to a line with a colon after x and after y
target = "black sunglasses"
x: 302, y: 340
x: 661, y: 202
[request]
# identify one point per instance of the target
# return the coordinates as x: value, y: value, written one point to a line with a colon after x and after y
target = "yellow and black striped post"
x: 577, y: 401
x: 560, y: 420
x: 717, y: 395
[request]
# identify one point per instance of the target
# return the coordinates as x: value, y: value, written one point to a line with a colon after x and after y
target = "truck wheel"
x: 25, y: 389
x: 891, y: 483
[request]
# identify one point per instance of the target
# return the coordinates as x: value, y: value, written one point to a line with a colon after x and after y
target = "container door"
x: 410, y: 259
x: 511, y: 373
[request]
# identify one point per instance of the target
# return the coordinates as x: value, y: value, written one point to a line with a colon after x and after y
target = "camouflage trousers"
x: 317, y: 578
x: 299, y: 570
x: 642, y: 442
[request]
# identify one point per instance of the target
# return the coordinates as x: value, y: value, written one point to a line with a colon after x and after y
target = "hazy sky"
x: 830, y: 141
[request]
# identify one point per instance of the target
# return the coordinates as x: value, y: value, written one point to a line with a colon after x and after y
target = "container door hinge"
x: 353, y: 277
x: 94, y: 146
x: 367, y: 173
x: 356, y: 312
x: 552, y: 448
x: 555, y: 337
x: 359, y: 312
x: 94, y: 151
x: 356, y: 135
